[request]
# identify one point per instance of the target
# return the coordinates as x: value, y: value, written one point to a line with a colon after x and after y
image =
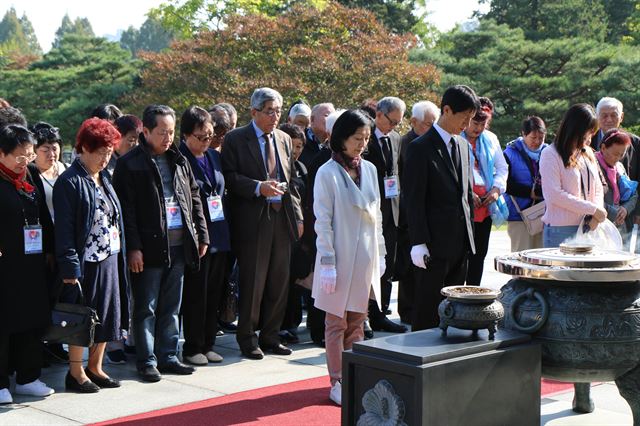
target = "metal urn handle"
x: 540, y: 321
x: 448, y: 311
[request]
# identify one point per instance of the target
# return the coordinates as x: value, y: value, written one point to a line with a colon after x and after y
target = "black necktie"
x: 455, y: 158
x: 388, y: 155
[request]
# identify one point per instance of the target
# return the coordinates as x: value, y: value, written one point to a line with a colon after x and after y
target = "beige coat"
x: 349, y: 228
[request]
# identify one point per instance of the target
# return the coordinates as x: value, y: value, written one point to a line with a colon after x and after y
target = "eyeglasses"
x: 272, y: 112
x: 23, y: 159
x: 203, y: 138
x: 393, y: 123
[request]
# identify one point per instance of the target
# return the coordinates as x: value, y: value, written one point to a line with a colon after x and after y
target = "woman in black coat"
x: 90, y: 247
x: 25, y: 238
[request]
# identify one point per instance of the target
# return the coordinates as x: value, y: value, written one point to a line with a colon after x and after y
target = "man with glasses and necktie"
x: 265, y: 219
x: 383, y: 151
x: 438, y: 191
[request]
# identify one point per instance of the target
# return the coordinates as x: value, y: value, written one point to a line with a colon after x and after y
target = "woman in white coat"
x: 350, y: 257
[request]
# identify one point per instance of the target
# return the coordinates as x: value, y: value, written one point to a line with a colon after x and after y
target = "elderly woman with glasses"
x: 25, y: 238
x: 203, y: 288
x: 90, y: 247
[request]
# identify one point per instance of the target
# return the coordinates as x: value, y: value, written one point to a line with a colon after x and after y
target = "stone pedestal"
x: 425, y: 379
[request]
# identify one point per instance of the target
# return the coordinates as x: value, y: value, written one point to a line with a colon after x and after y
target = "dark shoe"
x: 177, y: 368
x: 319, y: 343
x: 387, y: 311
x: 255, y: 353
x: 107, y: 382
x: 149, y: 374
x: 72, y: 384
x: 368, y: 332
x: 278, y: 349
x: 288, y: 337
x: 228, y: 327
x: 385, y: 324
x: 117, y: 357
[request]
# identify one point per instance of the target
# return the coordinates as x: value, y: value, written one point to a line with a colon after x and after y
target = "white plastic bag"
x: 605, y: 236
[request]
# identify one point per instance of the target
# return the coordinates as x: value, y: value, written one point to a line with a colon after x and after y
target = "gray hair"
x: 391, y: 103
x: 316, y: 107
x: 421, y: 108
x: 607, y: 102
x: 263, y: 95
x: 331, y: 119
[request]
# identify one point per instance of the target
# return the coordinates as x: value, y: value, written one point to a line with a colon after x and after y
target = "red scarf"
x: 348, y: 163
x: 612, y: 176
x: 18, y: 180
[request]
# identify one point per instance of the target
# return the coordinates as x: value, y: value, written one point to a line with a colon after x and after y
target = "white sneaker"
x: 197, y: 359
x: 336, y: 393
x: 35, y: 388
x: 214, y: 357
x: 5, y: 396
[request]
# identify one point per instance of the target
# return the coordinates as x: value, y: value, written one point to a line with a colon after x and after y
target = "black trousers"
x: 481, y: 233
x: 315, y: 318
x: 263, y: 266
x: 404, y: 275
x: 428, y: 283
x: 293, y: 313
x: 201, y: 295
x: 22, y: 353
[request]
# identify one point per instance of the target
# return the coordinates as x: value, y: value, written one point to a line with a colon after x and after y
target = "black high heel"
x: 106, y: 382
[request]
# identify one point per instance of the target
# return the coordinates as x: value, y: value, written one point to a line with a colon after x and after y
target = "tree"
x: 542, y: 19
x: 338, y: 55
x: 70, y: 81
x: 525, y: 77
x: 187, y: 18
x: 81, y: 26
x: 397, y: 16
x: 151, y: 37
x: 18, y: 43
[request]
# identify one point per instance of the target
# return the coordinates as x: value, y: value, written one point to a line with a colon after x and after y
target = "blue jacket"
x: 219, y: 238
x: 74, y: 202
x: 521, y: 178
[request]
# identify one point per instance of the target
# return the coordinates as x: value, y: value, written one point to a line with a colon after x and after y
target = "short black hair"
x: 45, y: 133
x: 12, y: 115
x: 533, y: 124
x: 192, y: 118
x: 128, y: 123
x: 347, y: 125
x: 14, y: 135
x: 460, y: 98
x: 151, y: 113
x: 108, y: 112
x: 294, y: 131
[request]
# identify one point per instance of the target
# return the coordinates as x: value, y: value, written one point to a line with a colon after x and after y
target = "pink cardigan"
x: 561, y: 188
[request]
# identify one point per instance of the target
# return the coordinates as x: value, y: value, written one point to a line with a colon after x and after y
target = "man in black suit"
x: 383, y: 151
x: 423, y: 115
x: 438, y: 192
x: 316, y: 133
x: 265, y: 218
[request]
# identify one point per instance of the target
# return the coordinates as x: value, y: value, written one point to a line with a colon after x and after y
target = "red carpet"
x: 303, y: 402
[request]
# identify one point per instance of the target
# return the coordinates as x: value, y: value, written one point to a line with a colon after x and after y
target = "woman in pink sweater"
x: 570, y: 178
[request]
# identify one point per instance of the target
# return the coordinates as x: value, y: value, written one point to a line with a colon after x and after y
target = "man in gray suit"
x: 265, y: 218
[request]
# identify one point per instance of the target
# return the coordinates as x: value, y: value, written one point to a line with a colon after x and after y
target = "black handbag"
x: 72, y: 323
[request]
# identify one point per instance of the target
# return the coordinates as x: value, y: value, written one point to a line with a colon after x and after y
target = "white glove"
x: 328, y: 277
x: 383, y: 265
x: 417, y: 255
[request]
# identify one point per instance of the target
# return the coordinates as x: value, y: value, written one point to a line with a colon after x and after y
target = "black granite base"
x: 423, y: 378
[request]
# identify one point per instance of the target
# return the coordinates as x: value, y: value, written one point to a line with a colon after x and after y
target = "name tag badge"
x: 114, y: 239
x: 477, y: 177
x: 174, y: 218
x: 391, y: 189
x: 216, y: 213
x: 275, y: 199
x: 33, y: 239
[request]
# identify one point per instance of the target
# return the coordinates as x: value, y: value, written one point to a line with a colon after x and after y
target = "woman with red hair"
x: 620, y: 196
x: 89, y: 249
